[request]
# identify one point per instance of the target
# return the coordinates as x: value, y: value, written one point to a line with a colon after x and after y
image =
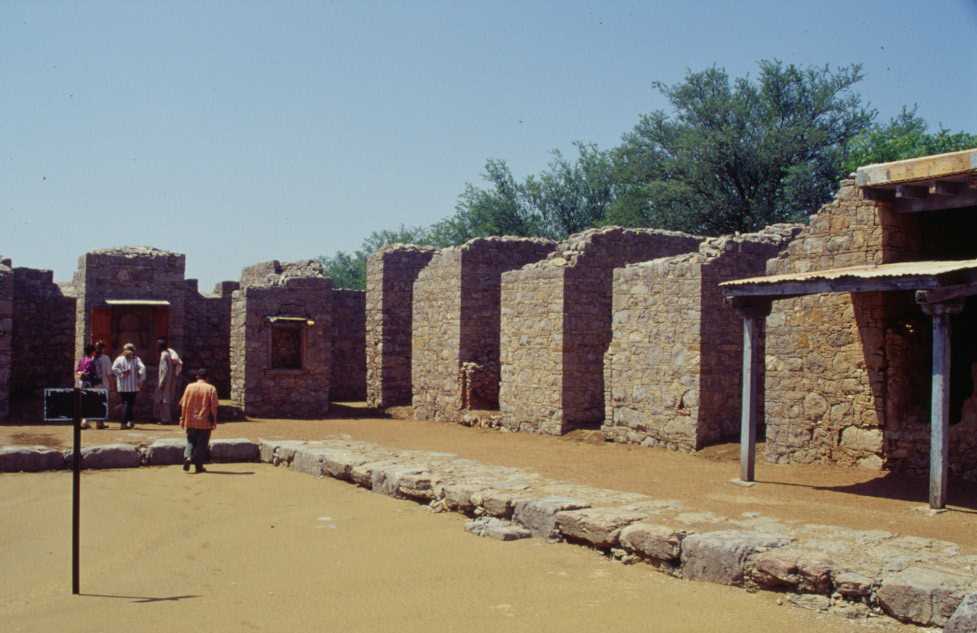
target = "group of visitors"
x: 198, y: 405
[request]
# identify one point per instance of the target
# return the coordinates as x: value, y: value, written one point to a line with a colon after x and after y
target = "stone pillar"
x: 390, y: 276
x: 6, y: 327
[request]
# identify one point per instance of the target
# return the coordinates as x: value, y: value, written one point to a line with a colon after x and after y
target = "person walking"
x: 130, y: 373
x: 198, y: 417
x: 170, y: 368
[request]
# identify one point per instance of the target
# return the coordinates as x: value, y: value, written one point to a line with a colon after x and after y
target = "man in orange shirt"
x: 198, y: 416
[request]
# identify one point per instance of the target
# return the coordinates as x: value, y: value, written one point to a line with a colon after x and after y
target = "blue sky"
x: 241, y: 132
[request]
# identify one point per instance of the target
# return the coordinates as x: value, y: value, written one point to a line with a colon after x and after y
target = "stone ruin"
x: 456, y: 324
x: 281, y: 340
x: 138, y: 294
x: 556, y: 326
x: 6, y: 329
x: 390, y: 276
x: 848, y: 374
x: 671, y: 370
x: 348, y: 381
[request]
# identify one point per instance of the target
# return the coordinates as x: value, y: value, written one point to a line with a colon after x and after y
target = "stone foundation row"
x: 856, y: 573
x: 163, y: 452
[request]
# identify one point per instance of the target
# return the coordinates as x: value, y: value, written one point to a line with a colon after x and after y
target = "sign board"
x: 59, y: 404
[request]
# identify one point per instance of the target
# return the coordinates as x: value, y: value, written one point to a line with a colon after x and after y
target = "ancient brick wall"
x: 390, y: 276
x: 671, y: 369
x: 43, y: 341
x: 131, y: 273
x: 348, y: 345
x: 556, y: 326
x: 456, y: 320
x: 207, y: 341
x: 841, y: 367
x: 299, y: 296
x: 6, y: 330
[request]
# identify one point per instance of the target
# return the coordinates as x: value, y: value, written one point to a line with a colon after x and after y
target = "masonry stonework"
x: 348, y: 381
x: 281, y: 340
x: 456, y: 320
x: 556, y: 326
x: 43, y: 341
x: 208, y: 334
x: 671, y: 368
x: 390, y: 276
x: 848, y: 374
x: 6, y: 329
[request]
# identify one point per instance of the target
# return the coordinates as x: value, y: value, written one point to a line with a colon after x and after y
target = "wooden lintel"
x: 878, y: 194
x: 938, y: 166
x: 751, y: 307
x: 945, y: 188
x: 965, y: 198
x: 913, y: 192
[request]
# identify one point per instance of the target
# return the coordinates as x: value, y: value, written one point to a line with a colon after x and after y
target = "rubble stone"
x: 456, y: 320
x: 539, y: 515
x: 556, y: 326
x: 722, y: 557
x: 30, y: 459
x: 492, y: 527
x: 923, y: 596
x: 390, y: 276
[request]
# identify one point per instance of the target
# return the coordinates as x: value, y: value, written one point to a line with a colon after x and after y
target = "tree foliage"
x: 730, y: 154
x: 737, y: 155
x: 906, y: 135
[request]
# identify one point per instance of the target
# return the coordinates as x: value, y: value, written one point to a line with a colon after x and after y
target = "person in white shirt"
x: 170, y: 368
x: 130, y: 373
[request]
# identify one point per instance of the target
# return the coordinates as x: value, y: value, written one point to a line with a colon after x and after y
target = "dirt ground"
x: 810, y: 493
x: 249, y: 547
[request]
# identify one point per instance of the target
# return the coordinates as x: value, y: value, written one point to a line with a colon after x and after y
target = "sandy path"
x: 809, y: 493
x: 260, y: 549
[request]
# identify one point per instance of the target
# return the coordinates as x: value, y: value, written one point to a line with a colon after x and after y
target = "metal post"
x: 941, y: 314
x: 940, y: 409
x: 76, y: 494
x: 754, y: 315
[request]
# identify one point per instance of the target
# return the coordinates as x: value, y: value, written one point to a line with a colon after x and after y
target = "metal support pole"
x: 754, y: 315
x: 941, y: 314
x: 76, y: 494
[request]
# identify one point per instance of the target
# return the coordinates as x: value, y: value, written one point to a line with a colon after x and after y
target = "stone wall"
x: 848, y: 374
x: 456, y: 320
x: 556, y: 326
x: 672, y: 368
x: 6, y: 330
x: 390, y: 276
x: 348, y: 346
x: 298, y: 290
x: 43, y: 341
x: 208, y: 334
x: 131, y: 273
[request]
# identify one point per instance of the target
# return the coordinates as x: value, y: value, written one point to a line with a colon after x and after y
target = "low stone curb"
x: 854, y: 573
x: 162, y: 452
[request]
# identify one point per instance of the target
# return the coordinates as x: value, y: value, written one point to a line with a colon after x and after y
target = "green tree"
x: 572, y: 196
x: 504, y: 208
x: 737, y: 155
x: 348, y: 270
x: 906, y: 135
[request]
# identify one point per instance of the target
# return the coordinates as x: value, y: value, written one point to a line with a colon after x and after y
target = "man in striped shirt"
x: 130, y: 373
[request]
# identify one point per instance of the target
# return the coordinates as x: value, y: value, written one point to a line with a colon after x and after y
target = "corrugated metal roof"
x: 905, y: 270
x: 914, y: 169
